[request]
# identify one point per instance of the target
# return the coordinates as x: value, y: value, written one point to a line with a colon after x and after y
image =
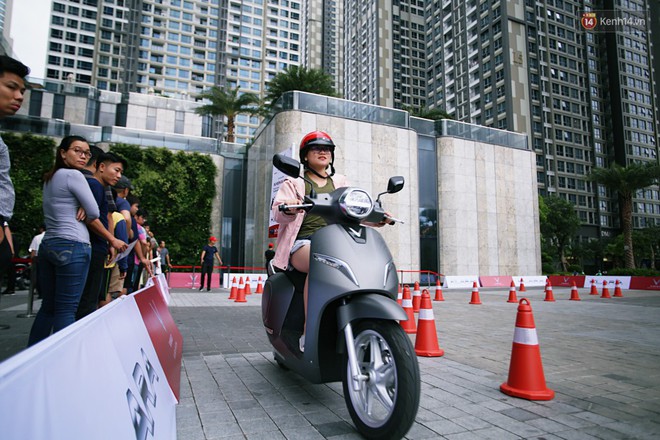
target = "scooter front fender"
x: 369, y: 306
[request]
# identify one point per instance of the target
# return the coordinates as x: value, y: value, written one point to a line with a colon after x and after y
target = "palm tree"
x: 626, y: 181
x: 434, y: 114
x: 228, y: 104
x: 300, y: 78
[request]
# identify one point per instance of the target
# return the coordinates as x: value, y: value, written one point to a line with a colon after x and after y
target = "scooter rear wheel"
x: 386, y: 404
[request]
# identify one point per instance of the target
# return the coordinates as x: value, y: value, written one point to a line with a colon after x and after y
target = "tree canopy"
x: 229, y: 104
x: 559, y: 224
x: 302, y: 79
x: 625, y: 181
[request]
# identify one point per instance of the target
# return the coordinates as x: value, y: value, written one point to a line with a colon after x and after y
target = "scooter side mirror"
x: 395, y: 184
x: 287, y: 165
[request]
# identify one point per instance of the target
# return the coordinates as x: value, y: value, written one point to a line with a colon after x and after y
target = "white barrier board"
x: 460, y: 282
x: 531, y: 280
x: 99, y: 378
x: 611, y: 281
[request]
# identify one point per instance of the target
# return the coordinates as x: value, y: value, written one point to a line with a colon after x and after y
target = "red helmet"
x: 317, y: 138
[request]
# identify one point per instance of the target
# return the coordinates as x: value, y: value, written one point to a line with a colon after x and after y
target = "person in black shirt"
x: 208, y: 253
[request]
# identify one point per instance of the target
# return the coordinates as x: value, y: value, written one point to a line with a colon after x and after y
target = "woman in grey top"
x: 64, y: 255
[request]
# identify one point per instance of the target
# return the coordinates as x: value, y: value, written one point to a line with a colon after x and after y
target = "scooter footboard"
x: 367, y: 306
x: 277, y: 296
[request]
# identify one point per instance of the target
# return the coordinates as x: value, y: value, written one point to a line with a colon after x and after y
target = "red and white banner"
x: 567, y: 281
x: 495, y: 281
x: 112, y: 375
x: 645, y: 283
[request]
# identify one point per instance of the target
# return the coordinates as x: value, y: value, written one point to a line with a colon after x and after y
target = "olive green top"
x: 312, y: 222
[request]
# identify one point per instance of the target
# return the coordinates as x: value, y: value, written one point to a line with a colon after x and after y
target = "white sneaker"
x: 301, y: 343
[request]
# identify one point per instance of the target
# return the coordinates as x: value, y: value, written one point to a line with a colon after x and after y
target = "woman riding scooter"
x: 317, y: 154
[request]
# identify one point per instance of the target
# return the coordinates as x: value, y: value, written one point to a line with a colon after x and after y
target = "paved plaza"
x: 600, y: 356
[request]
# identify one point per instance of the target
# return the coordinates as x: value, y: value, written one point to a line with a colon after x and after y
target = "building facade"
x: 174, y: 48
x: 585, y: 97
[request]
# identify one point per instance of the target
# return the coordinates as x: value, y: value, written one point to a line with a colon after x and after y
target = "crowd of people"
x: 95, y: 243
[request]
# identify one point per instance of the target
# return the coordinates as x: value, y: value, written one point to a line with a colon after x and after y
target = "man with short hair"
x: 109, y: 168
x: 12, y: 89
x: 123, y: 188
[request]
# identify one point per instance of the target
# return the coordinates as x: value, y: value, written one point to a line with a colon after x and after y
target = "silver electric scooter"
x: 353, y: 333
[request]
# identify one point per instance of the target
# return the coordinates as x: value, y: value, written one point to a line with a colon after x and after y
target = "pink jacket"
x: 290, y: 223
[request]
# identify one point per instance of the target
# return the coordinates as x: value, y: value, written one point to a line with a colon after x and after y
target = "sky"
x: 29, y: 30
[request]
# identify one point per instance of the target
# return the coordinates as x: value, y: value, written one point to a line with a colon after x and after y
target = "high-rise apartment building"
x: 174, y: 48
x: 585, y: 97
x: 323, y: 39
x: 385, y: 53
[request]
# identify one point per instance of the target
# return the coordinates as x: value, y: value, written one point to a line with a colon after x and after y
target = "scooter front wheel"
x: 386, y: 403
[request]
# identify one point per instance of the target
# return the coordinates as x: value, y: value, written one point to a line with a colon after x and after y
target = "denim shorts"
x: 300, y: 243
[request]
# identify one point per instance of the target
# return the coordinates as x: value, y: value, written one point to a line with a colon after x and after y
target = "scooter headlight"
x: 356, y: 203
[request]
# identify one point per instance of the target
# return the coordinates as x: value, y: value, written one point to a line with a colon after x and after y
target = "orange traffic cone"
x: 512, y: 293
x: 399, y: 295
x: 475, y: 294
x: 617, y: 290
x: 234, y: 290
x: 426, y: 343
x: 248, y: 287
x: 606, y: 291
x: 575, y: 296
x: 260, y: 286
x: 526, y: 379
x: 438, y: 291
x: 240, y: 297
x: 417, y: 297
x: 522, y: 286
x: 241, y: 286
x: 408, y: 325
x: 594, y: 289
x: 549, y: 296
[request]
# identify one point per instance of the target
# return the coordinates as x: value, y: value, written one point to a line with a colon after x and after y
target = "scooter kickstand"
x: 358, y: 378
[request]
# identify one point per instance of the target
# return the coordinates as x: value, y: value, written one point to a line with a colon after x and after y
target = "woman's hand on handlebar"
x: 290, y: 211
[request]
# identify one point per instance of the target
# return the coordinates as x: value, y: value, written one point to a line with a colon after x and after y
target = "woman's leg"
x: 43, y: 322
x: 70, y: 281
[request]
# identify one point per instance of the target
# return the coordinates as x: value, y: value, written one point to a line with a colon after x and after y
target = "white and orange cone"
x: 575, y: 296
x: 426, y: 343
x: 234, y: 289
x: 240, y: 295
x: 617, y: 290
x: 526, y: 379
x: 522, y: 286
x: 606, y: 291
x: 475, y: 294
x: 248, y: 286
x: 408, y: 325
x: 438, y: 291
x: 594, y: 289
x: 417, y: 297
x: 512, y: 293
x: 260, y: 286
x: 549, y: 296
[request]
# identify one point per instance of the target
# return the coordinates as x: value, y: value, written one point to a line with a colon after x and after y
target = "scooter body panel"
x: 346, y: 262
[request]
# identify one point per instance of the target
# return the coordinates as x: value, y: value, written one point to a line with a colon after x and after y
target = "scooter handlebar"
x: 394, y: 219
x: 305, y: 206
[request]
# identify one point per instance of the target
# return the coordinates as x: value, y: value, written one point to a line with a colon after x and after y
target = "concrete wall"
x: 488, y: 207
x: 488, y: 221
x: 367, y: 154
